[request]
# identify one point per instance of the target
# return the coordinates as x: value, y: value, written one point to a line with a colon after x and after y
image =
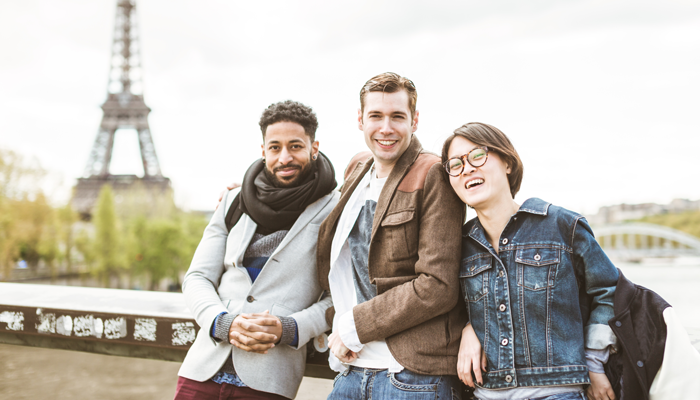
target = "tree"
x: 66, y: 218
x: 26, y: 218
x: 107, y: 243
x: 164, y: 247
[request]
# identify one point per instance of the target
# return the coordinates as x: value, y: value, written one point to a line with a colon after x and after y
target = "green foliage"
x: 163, y: 247
x: 18, y: 177
x: 66, y: 219
x: 108, y: 238
x: 688, y: 222
x: 141, y: 201
x: 28, y: 225
x: 139, y: 247
x: 140, y: 236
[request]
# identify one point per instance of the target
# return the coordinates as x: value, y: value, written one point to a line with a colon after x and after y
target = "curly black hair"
x: 290, y: 111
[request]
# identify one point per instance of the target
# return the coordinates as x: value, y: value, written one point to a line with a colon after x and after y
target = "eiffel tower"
x: 124, y: 109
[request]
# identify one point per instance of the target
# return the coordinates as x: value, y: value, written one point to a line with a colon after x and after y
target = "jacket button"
x: 618, y: 324
x: 640, y: 364
x: 502, y: 307
x: 509, y: 378
x: 504, y: 241
x: 500, y: 274
x: 504, y: 342
x: 538, y: 257
x: 250, y: 299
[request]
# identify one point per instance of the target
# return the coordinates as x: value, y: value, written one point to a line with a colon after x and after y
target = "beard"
x: 296, y: 180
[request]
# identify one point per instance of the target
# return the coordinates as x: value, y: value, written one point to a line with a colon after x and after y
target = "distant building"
x: 625, y: 212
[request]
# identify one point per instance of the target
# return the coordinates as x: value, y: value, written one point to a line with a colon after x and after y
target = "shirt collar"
x: 535, y: 206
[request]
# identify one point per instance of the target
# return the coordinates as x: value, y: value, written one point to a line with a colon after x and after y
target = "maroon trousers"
x: 188, y: 389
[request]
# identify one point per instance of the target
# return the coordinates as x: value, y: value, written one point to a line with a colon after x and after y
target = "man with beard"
x: 254, y: 289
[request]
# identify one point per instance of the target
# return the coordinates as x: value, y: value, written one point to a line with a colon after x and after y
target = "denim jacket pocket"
x: 473, y: 277
x: 537, y: 267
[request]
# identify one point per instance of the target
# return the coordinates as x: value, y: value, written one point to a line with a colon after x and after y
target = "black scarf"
x: 274, y: 208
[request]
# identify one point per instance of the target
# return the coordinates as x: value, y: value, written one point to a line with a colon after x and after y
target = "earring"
x: 314, y: 157
x: 263, y: 160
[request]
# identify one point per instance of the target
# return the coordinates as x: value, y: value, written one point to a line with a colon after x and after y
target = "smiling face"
x: 387, y: 125
x: 484, y: 186
x: 288, y: 153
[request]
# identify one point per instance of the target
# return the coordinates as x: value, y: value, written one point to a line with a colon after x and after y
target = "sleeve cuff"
x: 222, y: 326
x: 596, y: 358
x: 348, y: 332
x: 599, y: 337
x: 289, y: 330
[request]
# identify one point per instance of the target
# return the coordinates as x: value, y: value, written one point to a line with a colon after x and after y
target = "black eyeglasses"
x: 476, y: 158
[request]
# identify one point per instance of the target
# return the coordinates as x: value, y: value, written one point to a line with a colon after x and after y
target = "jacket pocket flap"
x: 384, y: 284
x: 398, y: 218
x: 537, y: 256
x: 474, y: 267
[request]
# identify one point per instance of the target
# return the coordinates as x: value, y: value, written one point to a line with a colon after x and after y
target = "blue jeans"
x: 378, y: 384
x: 563, y: 396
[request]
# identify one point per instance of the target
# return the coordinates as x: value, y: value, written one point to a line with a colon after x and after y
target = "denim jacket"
x: 545, y: 296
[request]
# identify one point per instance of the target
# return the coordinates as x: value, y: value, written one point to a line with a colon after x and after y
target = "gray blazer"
x: 287, y: 286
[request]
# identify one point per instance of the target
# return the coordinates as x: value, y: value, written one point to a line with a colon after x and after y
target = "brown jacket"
x: 414, y: 260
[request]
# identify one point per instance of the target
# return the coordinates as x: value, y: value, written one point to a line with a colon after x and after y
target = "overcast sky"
x: 601, y: 98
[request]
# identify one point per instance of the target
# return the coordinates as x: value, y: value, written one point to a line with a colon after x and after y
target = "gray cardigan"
x: 287, y: 286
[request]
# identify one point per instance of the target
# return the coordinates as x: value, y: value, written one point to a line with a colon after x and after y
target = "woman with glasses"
x: 537, y: 286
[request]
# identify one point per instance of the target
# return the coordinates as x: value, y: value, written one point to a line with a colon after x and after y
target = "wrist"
x: 222, y: 326
x: 289, y: 328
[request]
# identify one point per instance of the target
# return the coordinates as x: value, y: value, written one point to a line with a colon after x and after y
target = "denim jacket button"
x: 537, y: 257
x: 504, y: 342
x: 500, y: 274
x: 504, y: 241
x: 509, y: 378
x: 502, y: 307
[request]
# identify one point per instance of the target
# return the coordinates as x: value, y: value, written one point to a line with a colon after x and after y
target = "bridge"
x: 129, y: 323
x: 636, y: 241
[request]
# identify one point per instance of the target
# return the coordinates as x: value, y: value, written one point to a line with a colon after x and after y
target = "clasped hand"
x: 256, y: 333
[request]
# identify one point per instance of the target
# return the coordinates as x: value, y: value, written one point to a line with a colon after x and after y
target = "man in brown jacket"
x: 389, y: 252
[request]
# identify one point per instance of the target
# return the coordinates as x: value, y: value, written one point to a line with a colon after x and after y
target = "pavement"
x: 33, y: 373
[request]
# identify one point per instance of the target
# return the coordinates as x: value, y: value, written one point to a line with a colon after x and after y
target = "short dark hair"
x: 390, y: 82
x: 496, y: 141
x: 290, y: 111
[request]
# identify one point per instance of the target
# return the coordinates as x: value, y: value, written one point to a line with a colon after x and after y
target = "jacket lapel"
x: 309, y: 214
x: 397, y: 173
x: 239, y: 239
x: 352, y: 182
x: 329, y: 226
